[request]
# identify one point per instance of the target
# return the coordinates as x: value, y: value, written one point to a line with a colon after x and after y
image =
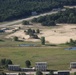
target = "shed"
x: 42, y: 66
x: 14, y: 67
x: 64, y: 72
x: 73, y: 65
x: 34, y: 13
x: 1, y: 31
x: 27, y: 69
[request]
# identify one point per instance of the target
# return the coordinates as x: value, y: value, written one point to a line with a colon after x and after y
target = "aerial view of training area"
x: 37, y: 37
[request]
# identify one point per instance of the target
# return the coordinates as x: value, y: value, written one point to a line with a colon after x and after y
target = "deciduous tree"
x: 28, y: 63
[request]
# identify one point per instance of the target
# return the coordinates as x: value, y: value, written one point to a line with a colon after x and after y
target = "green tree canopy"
x: 22, y: 73
x: 3, y: 61
x: 39, y: 73
x: 15, y: 38
x: 74, y: 73
x: 25, y: 22
x: 28, y: 63
x: 38, y: 31
x: 2, y: 73
x: 43, y: 40
x: 8, y: 62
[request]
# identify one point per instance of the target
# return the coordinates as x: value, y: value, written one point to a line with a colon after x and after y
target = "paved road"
x: 19, y: 21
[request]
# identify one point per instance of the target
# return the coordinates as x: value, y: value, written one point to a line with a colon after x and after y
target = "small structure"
x: 11, y: 73
x: 62, y: 72
x: 2, y: 31
x: 34, y: 13
x: 27, y: 69
x: 56, y: 9
x: 5, y: 29
x: 73, y: 65
x: 71, y: 48
x: 14, y: 67
x: 42, y: 66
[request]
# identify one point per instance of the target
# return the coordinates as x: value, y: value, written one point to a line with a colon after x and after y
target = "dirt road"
x: 19, y: 21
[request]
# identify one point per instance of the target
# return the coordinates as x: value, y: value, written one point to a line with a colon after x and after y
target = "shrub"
x: 39, y: 73
x: 43, y: 40
x: 28, y: 63
x: 25, y: 22
x: 15, y: 38
x: 38, y: 31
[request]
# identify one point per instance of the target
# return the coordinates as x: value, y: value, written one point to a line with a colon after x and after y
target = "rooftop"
x: 63, y: 71
x: 13, y: 65
x: 73, y: 62
x: 41, y: 62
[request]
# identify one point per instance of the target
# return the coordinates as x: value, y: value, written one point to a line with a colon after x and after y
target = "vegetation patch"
x: 68, y: 16
x: 53, y: 56
x: 1, y: 40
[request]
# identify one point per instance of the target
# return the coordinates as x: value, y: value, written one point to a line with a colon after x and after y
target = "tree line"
x: 5, y: 62
x: 15, y: 9
x: 68, y: 16
x: 71, y: 42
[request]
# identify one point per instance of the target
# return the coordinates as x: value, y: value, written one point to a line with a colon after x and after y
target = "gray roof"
x: 13, y: 65
x: 73, y: 62
x: 63, y: 71
x: 40, y: 62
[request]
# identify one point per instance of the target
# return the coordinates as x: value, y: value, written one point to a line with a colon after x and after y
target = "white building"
x: 42, y: 66
x: 73, y: 65
x: 14, y: 67
x: 11, y: 73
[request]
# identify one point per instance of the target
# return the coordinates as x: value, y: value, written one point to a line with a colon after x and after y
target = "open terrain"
x: 59, y: 34
x: 29, y: 18
x: 57, y: 58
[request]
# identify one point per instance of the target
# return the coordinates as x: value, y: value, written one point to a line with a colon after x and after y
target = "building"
x: 34, y: 13
x: 42, y: 66
x: 73, y: 65
x: 5, y: 29
x: 27, y: 69
x: 62, y: 72
x: 11, y: 73
x: 14, y: 67
x: 2, y: 31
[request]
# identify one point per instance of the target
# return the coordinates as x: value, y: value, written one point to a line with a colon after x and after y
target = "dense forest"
x: 68, y: 16
x: 15, y: 9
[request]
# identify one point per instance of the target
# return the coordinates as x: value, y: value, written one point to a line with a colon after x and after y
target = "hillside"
x: 15, y: 9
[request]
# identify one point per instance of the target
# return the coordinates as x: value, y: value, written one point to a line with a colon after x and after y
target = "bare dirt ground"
x: 22, y: 36
x: 61, y: 34
x: 55, y: 35
x: 73, y: 70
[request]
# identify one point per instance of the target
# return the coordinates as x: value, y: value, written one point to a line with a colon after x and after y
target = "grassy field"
x: 10, y: 43
x: 57, y: 58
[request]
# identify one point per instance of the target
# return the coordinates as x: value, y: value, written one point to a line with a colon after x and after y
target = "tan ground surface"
x: 56, y: 35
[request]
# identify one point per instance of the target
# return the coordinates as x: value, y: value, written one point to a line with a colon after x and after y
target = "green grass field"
x: 57, y: 58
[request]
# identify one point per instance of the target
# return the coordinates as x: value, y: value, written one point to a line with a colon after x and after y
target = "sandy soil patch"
x: 55, y: 35
x: 22, y: 36
x: 60, y: 35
